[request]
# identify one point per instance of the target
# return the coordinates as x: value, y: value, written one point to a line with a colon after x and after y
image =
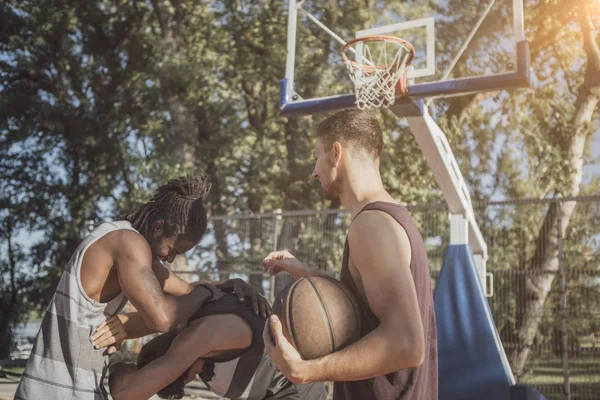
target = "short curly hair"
x: 353, y: 128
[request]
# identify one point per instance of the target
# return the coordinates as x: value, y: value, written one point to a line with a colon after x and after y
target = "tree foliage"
x: 101, y: 101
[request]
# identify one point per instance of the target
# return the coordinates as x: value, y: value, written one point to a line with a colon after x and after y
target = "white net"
x: 375, y: 78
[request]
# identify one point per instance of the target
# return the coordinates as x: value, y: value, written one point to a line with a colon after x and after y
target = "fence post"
x: 563, y: 307
x: 276, y: 218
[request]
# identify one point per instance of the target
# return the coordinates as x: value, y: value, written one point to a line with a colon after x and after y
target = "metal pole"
x: 291, y: 45
x: 519, y: 20
x: 331, y: 33
x: 276, y: 218
x: 563, y: 307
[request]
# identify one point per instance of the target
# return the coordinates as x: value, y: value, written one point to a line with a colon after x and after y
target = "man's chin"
x: 329, y: 196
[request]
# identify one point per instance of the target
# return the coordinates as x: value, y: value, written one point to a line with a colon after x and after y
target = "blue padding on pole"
x: 525, y: 392
x: 472, y: 364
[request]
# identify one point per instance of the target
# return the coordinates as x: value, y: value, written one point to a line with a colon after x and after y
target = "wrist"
x: 189, y: 289
x: 207, y: 291
x: 307, y: 372
x: 313, y: 370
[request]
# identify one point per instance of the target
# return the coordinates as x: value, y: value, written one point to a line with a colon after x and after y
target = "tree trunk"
x: 183, y: 118
x: 9, y: 300
x: 256, y: 253
x: 545, y: 261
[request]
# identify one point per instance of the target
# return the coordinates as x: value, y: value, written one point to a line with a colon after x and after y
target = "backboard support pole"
x: 439, y: 157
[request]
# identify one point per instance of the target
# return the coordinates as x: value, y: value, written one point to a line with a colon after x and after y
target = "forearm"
x: 135, y: 326
x: 153, y: 377
x: 170, y: 282
x: 149, y: 380
x: 376, y: 354
x: 177, y: 309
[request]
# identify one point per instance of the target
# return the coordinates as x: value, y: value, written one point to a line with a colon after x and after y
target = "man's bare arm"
x: 380, y: 251
x: 170, y: 282
x: 212, y: 335
x: 160, y: 312
x: 134, y: 325
x: 283, y: 260
x: 174, y: 285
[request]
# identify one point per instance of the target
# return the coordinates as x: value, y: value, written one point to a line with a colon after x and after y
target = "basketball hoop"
x: 377, y: 80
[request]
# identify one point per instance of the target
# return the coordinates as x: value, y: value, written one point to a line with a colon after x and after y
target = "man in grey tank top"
x: 385, y: 266
x: 120, y: 261
x: 223, y: 344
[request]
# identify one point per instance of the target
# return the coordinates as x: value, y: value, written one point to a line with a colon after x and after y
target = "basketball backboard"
x: 460, y: 47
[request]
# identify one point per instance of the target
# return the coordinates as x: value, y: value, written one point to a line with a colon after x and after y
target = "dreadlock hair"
x: 179, y: 204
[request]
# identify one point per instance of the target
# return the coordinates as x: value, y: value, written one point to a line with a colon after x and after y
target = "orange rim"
x: 375, y: 38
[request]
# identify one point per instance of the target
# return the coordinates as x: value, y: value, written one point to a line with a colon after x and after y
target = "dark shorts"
x: 310, y: 391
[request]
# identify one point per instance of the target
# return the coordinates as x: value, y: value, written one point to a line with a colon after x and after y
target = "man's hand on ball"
x: 283, y: 355
x: 278, y: 261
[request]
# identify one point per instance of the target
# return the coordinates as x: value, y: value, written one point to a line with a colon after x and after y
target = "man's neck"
x: 358, y: 193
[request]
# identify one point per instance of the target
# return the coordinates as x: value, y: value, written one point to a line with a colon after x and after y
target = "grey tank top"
x: 63, y: 363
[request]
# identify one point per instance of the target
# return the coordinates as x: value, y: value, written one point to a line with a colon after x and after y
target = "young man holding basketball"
x: 385, y: 266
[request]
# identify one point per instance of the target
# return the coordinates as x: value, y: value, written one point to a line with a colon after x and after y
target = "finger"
x: 268, y: 262
x: 108, y: 327
x: 271, y: 256
x: 114, y: 349
x: 117, y: 338
x: 238, y: 292
x: 106, y: 335
x: 102, y: 339
x: 263, y: 305
x: 102, y: 325
x: 254, y: 299
x: 273, y: 265
x: 107, y: 330
x: 276, y: 329
x: 106, y: 342
x: 267, y: 337
x: 267, y: 308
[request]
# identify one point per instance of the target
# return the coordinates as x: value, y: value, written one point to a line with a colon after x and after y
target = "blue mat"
x: 472, y: 362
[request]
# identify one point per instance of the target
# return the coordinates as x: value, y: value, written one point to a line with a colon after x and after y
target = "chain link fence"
x: 544, y: 255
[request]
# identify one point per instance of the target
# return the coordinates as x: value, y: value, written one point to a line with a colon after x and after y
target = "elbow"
x: 161, y: 324
x: 410, y: 355
x: 118, y: 395
x: 416, y: 356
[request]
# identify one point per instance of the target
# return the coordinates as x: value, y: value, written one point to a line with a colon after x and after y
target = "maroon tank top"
x: 420, y: 383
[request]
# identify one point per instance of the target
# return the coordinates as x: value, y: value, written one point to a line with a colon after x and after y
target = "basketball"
x: 318, y: 316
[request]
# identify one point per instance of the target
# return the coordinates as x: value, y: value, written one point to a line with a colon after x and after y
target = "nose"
x: 314, y: 174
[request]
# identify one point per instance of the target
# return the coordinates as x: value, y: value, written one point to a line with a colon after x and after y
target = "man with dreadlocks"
x: 116, y: 262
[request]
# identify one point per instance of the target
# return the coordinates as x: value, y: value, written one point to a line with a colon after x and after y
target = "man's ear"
x: 337, y: 153
x: 158, y: 227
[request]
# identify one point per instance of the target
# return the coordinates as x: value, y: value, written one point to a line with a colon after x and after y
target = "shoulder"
x: 128, y: 244
x: 372, y: 225
x: 376, y: 239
